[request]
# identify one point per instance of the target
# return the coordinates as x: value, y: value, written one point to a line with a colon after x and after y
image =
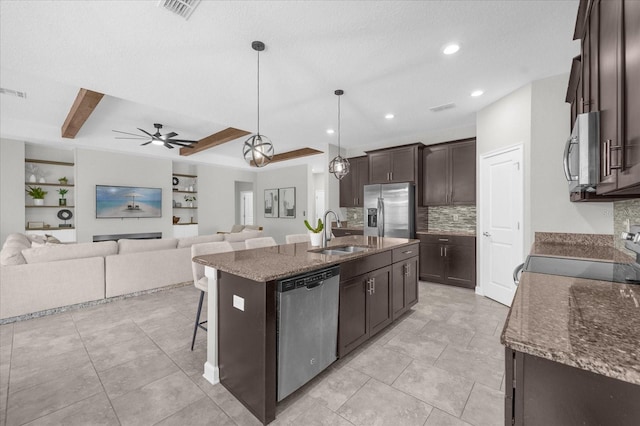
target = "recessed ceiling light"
x: 450, y: 49
x: 477, y: 93
x: 389, y: 116
x: 330, y: 131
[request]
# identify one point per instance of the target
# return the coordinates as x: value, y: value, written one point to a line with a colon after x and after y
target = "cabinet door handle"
x: 440, y: 251
x: 408, y: 252
x: 373, y: 285
x: 618, y: 151
x: 406, y: 270
x: 443, y: 239
x: 445, y: 251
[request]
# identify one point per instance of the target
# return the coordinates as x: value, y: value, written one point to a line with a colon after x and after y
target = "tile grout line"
x: 467, y: 401
x: 96, y: 371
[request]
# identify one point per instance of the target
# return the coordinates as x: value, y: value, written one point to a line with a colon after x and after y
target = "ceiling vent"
x: 13, y: 92
x: 442, y: 107
x: 183, y: 8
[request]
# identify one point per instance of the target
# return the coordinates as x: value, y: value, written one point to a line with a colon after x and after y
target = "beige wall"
x: 12, y: 209
x: 550, y: 126
x: 537, y: 117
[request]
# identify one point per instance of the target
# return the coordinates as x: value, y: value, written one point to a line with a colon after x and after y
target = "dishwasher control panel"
x: 310, y: 279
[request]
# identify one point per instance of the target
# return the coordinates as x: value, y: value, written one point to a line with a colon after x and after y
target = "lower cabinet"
x: 448, y: 259
x: 374, y: 291
x: 365, y: 308
x: 405, y: 286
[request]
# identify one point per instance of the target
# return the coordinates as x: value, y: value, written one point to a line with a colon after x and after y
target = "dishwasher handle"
x: 314, y: 285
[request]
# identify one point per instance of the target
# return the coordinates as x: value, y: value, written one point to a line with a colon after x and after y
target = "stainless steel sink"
x: 340, y: 251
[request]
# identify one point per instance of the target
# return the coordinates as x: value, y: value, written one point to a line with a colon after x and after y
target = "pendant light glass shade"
x: 339, y: 166
x: 258, y: 150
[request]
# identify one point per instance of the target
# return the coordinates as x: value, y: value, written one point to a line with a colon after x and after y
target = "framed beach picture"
x: 287, y: 202
x: 127, y: 201
x: 270, y: 203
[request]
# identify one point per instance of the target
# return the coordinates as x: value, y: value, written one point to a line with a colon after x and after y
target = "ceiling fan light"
x: 157, y: 142
x: 258, y: 150
x: 339, y: 167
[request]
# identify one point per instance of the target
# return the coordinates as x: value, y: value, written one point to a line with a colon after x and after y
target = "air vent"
x: 183, y: 8
x: 442, y: 107
x: 13, y: 92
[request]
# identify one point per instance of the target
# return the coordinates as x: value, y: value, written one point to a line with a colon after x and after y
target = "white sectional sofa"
x: 35, y: 279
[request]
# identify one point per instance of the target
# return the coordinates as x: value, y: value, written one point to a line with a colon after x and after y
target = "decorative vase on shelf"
x: 33, y: 178
x: 43, y: 180
x: 316, y: 238
x: 62, y: 201
x: 38, y: 201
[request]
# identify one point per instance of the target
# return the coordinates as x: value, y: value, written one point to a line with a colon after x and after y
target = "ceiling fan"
x: 158, y: 139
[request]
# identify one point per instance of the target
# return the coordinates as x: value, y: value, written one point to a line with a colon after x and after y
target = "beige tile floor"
x: 128, y: 362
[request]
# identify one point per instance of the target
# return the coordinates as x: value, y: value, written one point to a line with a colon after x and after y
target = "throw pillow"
x: 50, y: 239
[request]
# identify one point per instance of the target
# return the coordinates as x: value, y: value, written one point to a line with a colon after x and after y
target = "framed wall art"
x: 287, y: 202
x: 270, y: 203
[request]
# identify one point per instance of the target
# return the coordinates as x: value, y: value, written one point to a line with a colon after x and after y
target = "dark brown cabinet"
x: 365, y: 308
x: 544, y: 392
x: 393, y: 165
x: 606, y: 78
x: 448, y: 259
x: 405, y: 285
x: 341, y: 232
x: 352, y: 185
x: 449, y: 176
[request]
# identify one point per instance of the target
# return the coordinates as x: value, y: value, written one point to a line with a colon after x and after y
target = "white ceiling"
x: 198, y: 76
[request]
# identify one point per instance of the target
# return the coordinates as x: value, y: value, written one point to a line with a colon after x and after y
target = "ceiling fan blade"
x: 138, y: 138
x: 168, y: 146
x: 169, y: 135
x: 127, y: 133
x: 145, y: 132
x: 146, y: 143
x: 182, y: 141
x: 186, y: 145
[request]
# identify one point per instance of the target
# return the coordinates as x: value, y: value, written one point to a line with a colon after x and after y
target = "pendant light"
x: 339, y: 166
x: 258, y: 149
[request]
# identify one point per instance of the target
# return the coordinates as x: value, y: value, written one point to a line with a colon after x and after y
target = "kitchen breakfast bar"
x: 255, y: 349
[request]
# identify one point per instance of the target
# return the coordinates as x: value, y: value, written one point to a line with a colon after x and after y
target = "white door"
x: 246, y: 207
x: 501, y: 222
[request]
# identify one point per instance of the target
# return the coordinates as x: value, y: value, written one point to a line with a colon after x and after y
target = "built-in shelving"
x: 52, y: 228
x: 52, y: 206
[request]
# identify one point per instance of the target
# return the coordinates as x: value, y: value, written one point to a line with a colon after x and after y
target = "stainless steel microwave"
x: 582, y: 153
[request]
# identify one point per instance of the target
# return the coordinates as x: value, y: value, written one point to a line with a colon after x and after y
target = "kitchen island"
x: 573, y: 345
x: 377, y: 284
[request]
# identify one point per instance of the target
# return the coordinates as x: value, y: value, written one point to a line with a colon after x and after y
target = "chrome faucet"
x: 324, y: 232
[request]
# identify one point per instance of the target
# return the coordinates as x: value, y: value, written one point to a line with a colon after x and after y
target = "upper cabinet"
x: 352, y: 185
x: 606, y: 78
x: 450, y: 174
x: 393, y: 165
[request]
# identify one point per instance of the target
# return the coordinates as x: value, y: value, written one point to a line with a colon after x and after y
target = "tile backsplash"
x: 441, y: 218
x: 353, y: 215
x: 624, y: 211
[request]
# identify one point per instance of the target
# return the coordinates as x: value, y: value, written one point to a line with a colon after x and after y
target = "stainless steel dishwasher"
x: 307, y: 327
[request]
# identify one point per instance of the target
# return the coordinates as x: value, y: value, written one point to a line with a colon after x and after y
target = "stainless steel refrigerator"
x: 389, y: 210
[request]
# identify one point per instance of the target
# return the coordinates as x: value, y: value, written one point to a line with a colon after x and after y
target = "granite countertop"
x: 588, y: 324
x: 453, y: 233
x: 271, y: 263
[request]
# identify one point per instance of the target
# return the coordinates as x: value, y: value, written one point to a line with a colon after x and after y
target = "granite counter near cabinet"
x: 451, y: 233
x: 272, y: 263
x: 589, y: 324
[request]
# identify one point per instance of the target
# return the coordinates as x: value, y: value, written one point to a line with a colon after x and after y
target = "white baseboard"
x: 479, y: 291
x: 211, y: 373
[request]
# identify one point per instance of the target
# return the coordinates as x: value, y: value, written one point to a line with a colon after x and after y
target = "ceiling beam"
x: 82, y: 107
x: 290, y: 155
x: 227, y: 135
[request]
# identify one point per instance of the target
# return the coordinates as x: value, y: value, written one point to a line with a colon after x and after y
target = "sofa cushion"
x: 136, y: 246
x: 54, y: 252
x: 242, y: 236
x: 237, y: 228
x: 12, y: 255
x: 189, y: 241
x: 17, y: 238
x: 34, y: 238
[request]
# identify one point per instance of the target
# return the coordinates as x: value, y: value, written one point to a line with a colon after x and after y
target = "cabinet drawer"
x: 364, y: 265
x: 338, y: 232
x: 403, y: 253
x: 447, y: 239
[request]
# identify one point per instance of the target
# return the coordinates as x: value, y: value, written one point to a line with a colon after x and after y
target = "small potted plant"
x: 190, y: 199
x: 315, y: 233
x: 62, y: 201
x: 63, y: 181
x: 37, y: 194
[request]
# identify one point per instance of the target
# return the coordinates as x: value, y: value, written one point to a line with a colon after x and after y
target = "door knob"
x: 486, y: 234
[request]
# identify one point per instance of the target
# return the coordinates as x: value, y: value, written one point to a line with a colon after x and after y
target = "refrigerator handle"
x: 380, y: 217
